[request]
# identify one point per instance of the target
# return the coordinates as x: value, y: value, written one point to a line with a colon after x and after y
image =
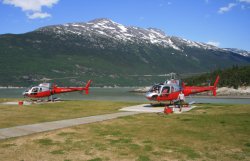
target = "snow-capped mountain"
x: 109, y: 52
x: 180, y: 42
x: 112, y: 30
x: 238, y: 51
x: 130, y: 34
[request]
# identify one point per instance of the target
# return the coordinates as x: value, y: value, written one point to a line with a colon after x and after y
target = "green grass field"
x: 209, y: 132
x: 13, y: 115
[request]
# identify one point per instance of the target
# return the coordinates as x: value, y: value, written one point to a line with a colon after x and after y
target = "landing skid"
x: 53, y: 99
x: 50, y: 99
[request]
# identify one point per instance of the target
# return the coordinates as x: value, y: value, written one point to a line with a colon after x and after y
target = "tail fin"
x: 215, y: 85
x: 87, y: 87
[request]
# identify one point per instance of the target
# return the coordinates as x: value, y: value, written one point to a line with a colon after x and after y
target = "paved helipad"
x: 143, y: 108
x: 148, y: 108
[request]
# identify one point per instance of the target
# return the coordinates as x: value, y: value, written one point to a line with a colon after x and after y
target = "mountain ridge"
x: 153, y: 31
x: 107, y: 52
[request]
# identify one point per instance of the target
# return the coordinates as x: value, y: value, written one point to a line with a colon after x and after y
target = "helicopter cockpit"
x: 164, y: 89
x: 155, y: 89
x: 34, y: 90
x: 161, y: 89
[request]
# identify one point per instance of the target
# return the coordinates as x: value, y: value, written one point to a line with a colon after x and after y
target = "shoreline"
x: 142, y: 91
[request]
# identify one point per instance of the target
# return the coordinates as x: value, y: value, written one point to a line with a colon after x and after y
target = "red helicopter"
x: 170, y: 90
x: 49, y: 89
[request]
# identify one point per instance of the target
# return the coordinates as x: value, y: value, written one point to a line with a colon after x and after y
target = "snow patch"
x: 123, y: 28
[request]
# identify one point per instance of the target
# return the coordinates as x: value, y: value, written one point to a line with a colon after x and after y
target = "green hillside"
x: 232, y: 77
x: 27, y: 58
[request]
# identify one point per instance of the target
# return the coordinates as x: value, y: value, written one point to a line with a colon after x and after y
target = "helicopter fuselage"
x: 170, y: 90
x: 47, y: 89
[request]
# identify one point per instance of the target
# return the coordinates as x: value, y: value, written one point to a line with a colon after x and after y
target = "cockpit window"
x: 34, y: 90
x: 155, y: 89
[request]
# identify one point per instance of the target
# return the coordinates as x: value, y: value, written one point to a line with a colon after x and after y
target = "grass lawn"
x: 209, y: 132
x: 13, y: 115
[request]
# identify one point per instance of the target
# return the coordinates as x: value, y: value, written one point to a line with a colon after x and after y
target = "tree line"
x: 232, y: 77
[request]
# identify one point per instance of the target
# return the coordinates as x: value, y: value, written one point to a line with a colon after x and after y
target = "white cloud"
x: 245, y: 4
x: 227, y: 8
x: 36, y: 15
x: 214, y: 43
x: 246, y: 1
x: 32, y: 6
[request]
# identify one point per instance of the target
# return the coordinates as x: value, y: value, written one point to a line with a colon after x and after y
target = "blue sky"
x: 225, y: 23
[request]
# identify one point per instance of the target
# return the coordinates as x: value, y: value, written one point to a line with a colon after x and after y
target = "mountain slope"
x: 105, y: 51
x: 232, y: 77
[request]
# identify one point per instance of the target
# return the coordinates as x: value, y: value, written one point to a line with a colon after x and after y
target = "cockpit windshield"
x: 34, y: 90
x: 155, y: 89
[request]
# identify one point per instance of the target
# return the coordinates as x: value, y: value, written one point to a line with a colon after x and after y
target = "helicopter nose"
x: 25, y: 94
x: 148, y: 94
x: 151, y: 96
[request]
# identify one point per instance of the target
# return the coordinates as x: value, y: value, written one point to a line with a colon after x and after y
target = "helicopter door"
x: 165, y: 90
x: 34, y: 91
